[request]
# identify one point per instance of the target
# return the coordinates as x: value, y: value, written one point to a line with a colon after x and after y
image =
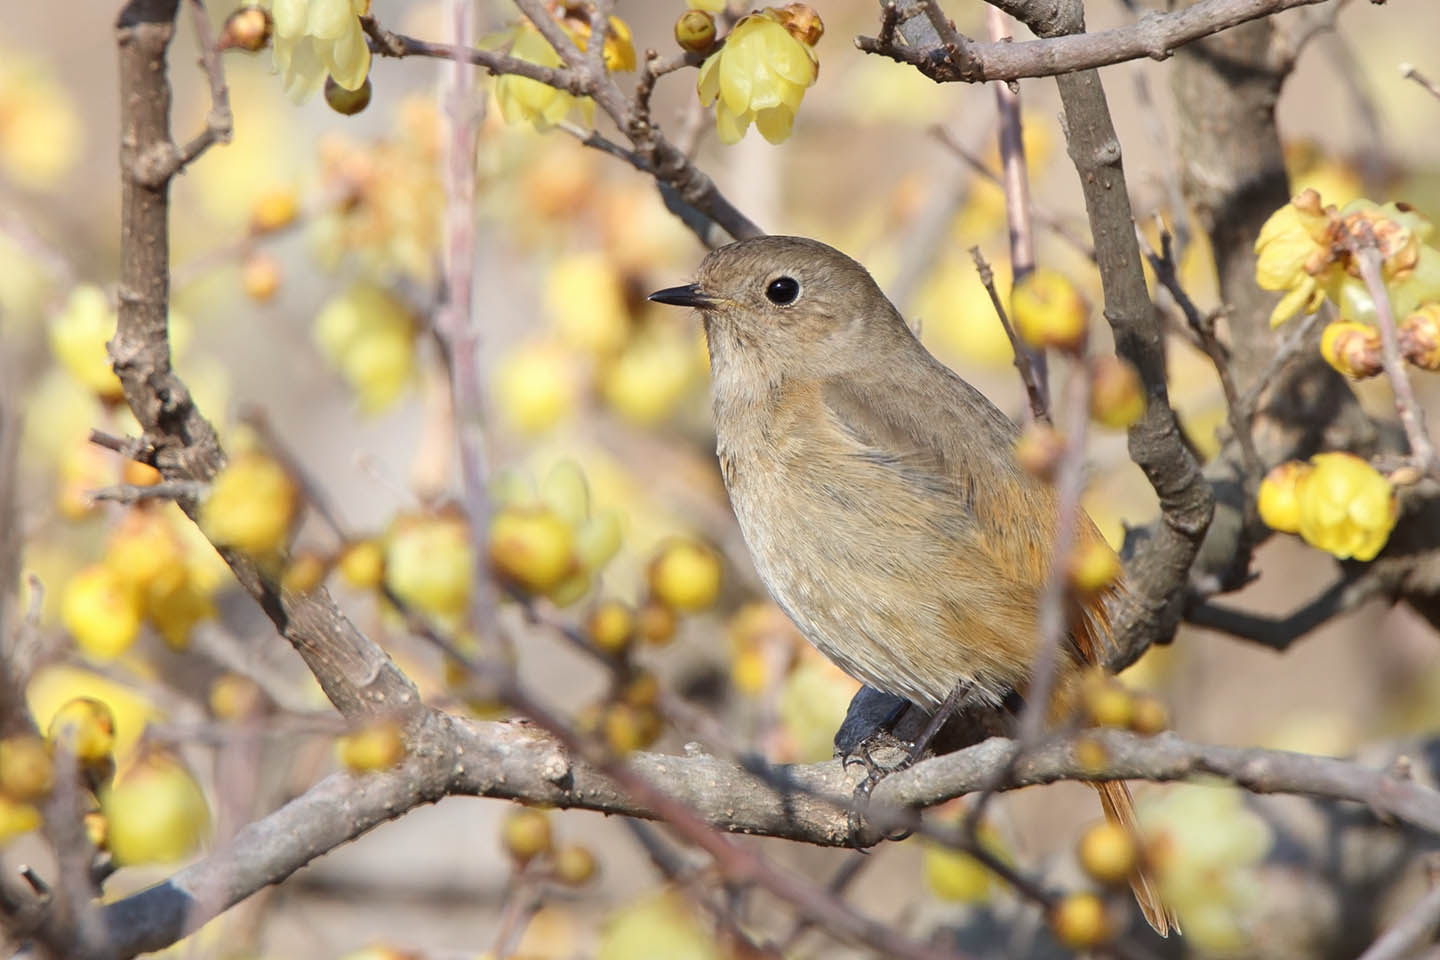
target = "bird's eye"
x: 782, y: 291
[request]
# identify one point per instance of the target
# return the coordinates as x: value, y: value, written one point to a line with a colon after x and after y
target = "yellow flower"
x: 585, y: 299
x: 619, y: 50
x: 1277, y: 504
x: 369, y: 337
x: 523, y: 100
x: 760, y: 74
x: 314, y: 38
x: 40, y: 130
x: 393, y: 200
x: 1346, y: 506
x: 1291, y: 250
x: 78, y: 335
x: 252, y: 505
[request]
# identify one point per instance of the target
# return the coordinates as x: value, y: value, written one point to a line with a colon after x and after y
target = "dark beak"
x: 689, y: 295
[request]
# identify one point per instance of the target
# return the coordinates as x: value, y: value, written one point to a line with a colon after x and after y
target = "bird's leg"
x: 949, y: 708
x: 874, y: 772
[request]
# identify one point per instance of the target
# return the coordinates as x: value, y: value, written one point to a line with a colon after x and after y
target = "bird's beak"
x: 689, y: 295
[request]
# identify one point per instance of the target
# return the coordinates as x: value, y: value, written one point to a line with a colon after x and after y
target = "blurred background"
x: 580, y: 368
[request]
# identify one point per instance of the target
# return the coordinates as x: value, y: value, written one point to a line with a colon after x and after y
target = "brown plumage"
x: 878, y: 491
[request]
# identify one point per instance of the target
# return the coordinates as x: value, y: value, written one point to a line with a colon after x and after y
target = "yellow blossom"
x: 40, y: 131
x: 1277, y: 504
x: 78, y: 335
x: 523, y: 100
x: 759, y: 75
x: 392, y: 200
x: 251, y: 506
x: 1346, y: 506
x: 369, y: 337
x: 1291, y: 250
x: 619, y: 49
x: 315, y: 38
x: 585, y: 299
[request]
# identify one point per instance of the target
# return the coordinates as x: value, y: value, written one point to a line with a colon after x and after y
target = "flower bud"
x: 347, y: 102
x: 248, y: 29
x: 1048, y: 311
x: 1352, y: 348
x: 1116, y: 397
x: 1107, y: 853
x: 1038, y: 450
x: 695, y: 31
x: 1093, y: 568
x: 1420, y: 337
x: 1079, y: 921
x: 803, y: 23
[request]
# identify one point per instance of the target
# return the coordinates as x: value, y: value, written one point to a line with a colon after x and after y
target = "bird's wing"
x: 950, y: 444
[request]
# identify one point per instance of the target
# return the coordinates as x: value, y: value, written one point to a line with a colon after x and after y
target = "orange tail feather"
x: 1120, y: 810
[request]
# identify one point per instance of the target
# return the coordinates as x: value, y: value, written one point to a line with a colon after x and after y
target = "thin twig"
x: 1409, y: 72
x: 1414, y: 927
x: 1359, y: 239
x: 1029, y: 376
x: 164, y: 490
x: 1016, y: 183
x: 1163, y: 262
x: 1053, y: 224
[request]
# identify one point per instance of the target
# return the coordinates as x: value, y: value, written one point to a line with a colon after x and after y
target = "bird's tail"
x: 1120, y: 810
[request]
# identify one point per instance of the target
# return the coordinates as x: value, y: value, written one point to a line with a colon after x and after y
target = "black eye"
x: 782, y: 291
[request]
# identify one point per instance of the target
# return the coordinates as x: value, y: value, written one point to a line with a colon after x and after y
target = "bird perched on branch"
x: 879, y: 494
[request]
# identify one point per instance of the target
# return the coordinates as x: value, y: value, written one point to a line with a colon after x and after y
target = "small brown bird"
x: 878, y: 492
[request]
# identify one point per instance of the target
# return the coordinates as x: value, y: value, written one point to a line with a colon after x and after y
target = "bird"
x: 878, y: 492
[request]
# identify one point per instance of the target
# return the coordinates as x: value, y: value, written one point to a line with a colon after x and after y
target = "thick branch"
x: 1156, y: 35
x: 515, y: 761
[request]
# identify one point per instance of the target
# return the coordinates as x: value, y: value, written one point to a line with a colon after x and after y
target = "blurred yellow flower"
x: 78, y: 335
x: 315, y: 38
x: 585, y: 299
x: 523, y: 100
x: 646, y: 381
x: 101, y: 611
x: 369, y: 337
x: 391, y: 199
x: 1205, y: 845
x: 957, y: 319
x: 535, y: 387
x: 251, y: 506
x: 1347, y: 507
x: 40, y: 131
x: 759, y: 75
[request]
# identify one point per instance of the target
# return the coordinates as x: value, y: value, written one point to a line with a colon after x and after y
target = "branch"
x: 517, y: 762
x: 582, y: 76
x: 1155, y: 35
x: 1415, y: 927
x: 1158, y: 566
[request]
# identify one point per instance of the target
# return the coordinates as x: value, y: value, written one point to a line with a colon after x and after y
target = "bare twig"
x: 1029, y: 375
x: 164, y: 490
x: 1053, y: 224
x: 1016, y: 182
x: 1163, y: 262
x: 1409, y: 72
x: 1413, y: 928
x: 1359, y: 239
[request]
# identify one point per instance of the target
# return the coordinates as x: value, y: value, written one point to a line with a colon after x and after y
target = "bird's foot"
x: 895, y: 755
